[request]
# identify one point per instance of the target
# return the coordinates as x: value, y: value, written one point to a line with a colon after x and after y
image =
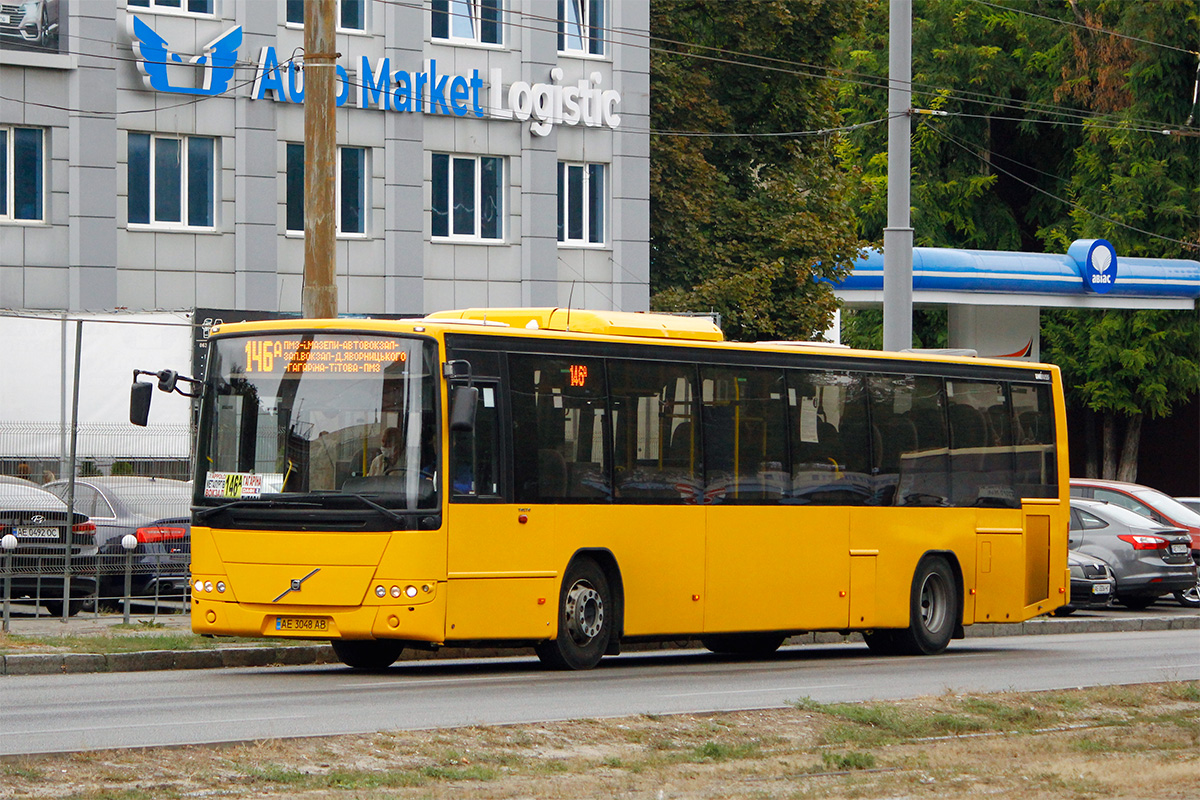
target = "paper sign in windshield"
x: 239, y: 485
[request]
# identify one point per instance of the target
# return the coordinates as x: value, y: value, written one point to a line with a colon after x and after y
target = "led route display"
x: 340, y: 355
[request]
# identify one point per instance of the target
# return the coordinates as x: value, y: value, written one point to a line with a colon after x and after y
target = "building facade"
x: 490, y: 152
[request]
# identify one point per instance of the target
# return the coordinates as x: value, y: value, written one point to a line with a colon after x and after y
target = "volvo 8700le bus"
x: 579, y: 480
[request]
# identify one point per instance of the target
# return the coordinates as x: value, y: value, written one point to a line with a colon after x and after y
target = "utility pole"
x: 319, y: 298
x: 898, y: 235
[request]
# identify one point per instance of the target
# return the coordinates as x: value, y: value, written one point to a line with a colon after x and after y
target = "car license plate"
x: 1101, y: 588
x: 302, y: 624
x: 37, y: 533
x: 1179, y: 549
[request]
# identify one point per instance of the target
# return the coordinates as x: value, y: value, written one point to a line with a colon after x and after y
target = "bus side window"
x: 656, y: 443
x: 908, y: 417
x: 982, y: 456
x: 830, y: 441
x: 559, y: 428
x: 475, y: 455
x: 745, y: 440
x: 1037, y: 461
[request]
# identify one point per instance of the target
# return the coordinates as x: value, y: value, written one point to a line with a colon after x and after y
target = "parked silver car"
x: 1148, y: 559
x: 156, y: 511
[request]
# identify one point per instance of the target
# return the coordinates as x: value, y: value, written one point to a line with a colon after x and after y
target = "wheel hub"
x: 934, y: 602
x: 585, y: 612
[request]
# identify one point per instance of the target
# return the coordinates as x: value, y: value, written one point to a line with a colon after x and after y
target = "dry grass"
x: 1114, y: 742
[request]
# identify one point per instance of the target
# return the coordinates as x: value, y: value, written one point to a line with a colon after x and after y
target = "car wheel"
x: 584, y: 619
x: 371, y: 654
x: 1137, y: 603
x: 1064, y: 611
x: 743, y: 644
x: 1190, y: 597
x: 55, y: 607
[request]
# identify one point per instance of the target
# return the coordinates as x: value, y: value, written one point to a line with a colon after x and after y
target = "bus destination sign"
x: 331, y: 356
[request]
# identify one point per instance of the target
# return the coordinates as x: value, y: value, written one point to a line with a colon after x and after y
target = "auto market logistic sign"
x: 379, y: 86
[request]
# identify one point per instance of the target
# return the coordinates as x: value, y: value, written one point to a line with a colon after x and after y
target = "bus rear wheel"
x: 933, y: 613
x: 370, y: 654
x: 584, y: 619
x: 743, y: 644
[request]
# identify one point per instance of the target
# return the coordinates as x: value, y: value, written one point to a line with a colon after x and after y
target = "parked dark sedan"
x: 38, y: 522
x: 1092, y: 583
x: 156, y: 511
x: 1148, y: 559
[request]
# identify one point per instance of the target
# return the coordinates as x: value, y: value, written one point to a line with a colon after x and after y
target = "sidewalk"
x: 253, y: 653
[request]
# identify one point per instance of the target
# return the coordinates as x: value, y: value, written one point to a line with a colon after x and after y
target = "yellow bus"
x: 576, y: 481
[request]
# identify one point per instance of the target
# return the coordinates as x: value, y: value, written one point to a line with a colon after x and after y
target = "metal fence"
x: 131, y: 549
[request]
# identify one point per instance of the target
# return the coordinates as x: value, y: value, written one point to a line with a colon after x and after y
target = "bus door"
x: 500, y: 563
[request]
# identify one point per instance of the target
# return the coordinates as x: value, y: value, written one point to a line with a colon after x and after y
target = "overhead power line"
x: 1085, y: 27
x: 966, y: 148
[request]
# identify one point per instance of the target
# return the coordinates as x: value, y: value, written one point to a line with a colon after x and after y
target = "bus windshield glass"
x: 304, y: 415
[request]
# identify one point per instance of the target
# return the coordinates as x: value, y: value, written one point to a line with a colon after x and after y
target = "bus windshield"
x: 300, y: 416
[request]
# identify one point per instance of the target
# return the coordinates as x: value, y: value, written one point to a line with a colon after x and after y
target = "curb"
x: 298, y: 655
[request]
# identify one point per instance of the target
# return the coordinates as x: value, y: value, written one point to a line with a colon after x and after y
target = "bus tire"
x: 369, y: 654
x: 743, y: 644
x: 585, y: 619
x: 933, y: 609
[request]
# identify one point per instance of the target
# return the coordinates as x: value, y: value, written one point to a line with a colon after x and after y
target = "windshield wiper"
x: 207, y: 511
x: 382, y: 509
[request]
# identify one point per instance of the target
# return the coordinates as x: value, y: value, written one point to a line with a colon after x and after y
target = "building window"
x: 295, y: 186
x: 22, y: 174
x: 172, y: 180
x: 581, y: 26
x: 188, y: 6
x: 580, y: 203
x: 468, y: 194
x: 351, y: 14
x: 467, y: 21
x: 352, y: 190
x: 351, y: 200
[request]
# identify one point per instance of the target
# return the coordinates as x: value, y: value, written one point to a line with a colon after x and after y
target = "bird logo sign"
x: 209, y: 73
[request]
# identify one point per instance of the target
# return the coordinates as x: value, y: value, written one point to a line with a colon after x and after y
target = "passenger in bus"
x: 388, y: 461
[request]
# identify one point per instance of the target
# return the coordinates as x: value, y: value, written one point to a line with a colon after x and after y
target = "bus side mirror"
x: 462, y: 409
x: 139, y: 402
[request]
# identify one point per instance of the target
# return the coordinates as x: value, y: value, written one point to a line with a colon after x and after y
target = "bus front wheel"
x: 370, y: 654
x: 584, y: 619
x: 933, y: 613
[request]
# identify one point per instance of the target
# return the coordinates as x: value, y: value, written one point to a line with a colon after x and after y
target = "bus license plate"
x: 1101, y: 588
x: 1179, y: 549
x: 302, y: 624
x: 37, y: 533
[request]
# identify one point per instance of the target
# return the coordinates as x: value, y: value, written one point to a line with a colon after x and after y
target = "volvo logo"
x: 295, y: 587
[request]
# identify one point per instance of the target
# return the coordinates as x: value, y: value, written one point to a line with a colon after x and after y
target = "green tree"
x: 743, y: 225
x: 1124, y: 366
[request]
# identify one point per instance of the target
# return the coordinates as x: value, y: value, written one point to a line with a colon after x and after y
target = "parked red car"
x: 1150, y: 503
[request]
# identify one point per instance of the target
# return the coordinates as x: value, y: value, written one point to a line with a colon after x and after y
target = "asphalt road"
x: 55, y: 713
